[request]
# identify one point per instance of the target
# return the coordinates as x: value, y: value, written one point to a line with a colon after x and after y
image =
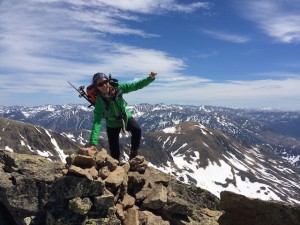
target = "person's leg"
x: 136, y: 133
x: 113, y: 141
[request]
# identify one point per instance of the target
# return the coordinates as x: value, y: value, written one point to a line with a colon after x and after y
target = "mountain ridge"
x: 277, y: 130
x: 215, y: 161
x: 22, y: 137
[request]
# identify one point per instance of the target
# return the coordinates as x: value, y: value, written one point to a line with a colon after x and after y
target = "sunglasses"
x: 102, y: 83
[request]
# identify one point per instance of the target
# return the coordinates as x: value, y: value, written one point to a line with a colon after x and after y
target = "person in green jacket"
x: 111, y: 106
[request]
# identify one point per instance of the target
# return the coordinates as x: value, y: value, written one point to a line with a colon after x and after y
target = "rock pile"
x: 95, y: 189
x: 92, y: 189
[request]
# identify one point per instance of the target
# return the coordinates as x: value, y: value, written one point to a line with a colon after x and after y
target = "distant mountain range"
x: 254, y: 153
x: 276, y: 130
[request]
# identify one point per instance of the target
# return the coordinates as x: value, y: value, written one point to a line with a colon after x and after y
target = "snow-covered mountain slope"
x: 20, y: 137
x: 278, y: 130
x: 216, y: 161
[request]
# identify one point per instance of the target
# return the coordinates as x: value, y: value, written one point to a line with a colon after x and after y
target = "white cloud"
x: 128, y: 60
x: 206, y: 55
x: 226, y: 36
x: 67, y: 40
x: 279, y: 19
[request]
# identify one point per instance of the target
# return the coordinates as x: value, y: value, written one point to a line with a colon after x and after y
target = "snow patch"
x: 174, y: 140
x: 166, y: 141
x: 37, y: 129
x: 292, y: 159
x: 44, y: 154
x: 170, y: 130
x: 7, y: 148
x: 214, y: 177
x: 176, y: 122
x: 205, y: 144
x: 26, y: 114
x: 60, y: 152
x: 182, y: 146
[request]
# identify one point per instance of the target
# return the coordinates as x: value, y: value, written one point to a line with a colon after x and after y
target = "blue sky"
x: 222, y: 53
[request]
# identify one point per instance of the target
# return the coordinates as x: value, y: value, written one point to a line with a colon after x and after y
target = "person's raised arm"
x: 129, y: 87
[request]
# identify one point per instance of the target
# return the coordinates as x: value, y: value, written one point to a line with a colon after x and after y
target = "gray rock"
x: 140, y: 167
x: 103, y: 172
x: 157, y: 198
x: 115, y: 178
x: 104, y: 202
x: 120, y: 212
x: 132, y: 216
x: 128, y: 201
x: 148, y: 218
x: 25, y: 183
x: 80, y: 172
x: 179, y: 206
x: 137, y: 160
x: 72, y: 187
x: 242, y: 210
x: 80, y: 206
x: 83, y: 161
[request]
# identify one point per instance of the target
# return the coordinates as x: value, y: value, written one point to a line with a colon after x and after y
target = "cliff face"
x: 95, y: 189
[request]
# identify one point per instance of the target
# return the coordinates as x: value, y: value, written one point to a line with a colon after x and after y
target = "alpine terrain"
x: 254, y: 153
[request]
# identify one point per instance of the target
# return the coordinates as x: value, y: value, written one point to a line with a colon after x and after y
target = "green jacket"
x: 115, y: 108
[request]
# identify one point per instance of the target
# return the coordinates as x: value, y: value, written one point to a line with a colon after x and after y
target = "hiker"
x: 111, y: 106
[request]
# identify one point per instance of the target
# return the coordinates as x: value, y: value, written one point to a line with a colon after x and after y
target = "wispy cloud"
x: 205, y: 55
x: 279, y: 19
x: 277, y: 75
x: 154, y: 6
x: 46, y: 42
x: 226, y: 36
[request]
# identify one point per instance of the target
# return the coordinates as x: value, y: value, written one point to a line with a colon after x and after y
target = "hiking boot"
x: 133, y: 153
x: 122, y: 160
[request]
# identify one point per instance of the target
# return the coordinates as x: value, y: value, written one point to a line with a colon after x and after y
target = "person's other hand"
x: 90, y: 150
x: 152, y: 75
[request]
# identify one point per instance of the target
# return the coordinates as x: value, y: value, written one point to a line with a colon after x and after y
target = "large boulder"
x: 157, y: 198
x: 25, y: 183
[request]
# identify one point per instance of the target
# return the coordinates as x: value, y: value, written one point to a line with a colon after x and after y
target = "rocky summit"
x: 92, y: 188
x: 95, y: 189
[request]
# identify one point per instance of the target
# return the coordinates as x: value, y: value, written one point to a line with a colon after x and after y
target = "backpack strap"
x: 106, y: 102
x: 123, y: 115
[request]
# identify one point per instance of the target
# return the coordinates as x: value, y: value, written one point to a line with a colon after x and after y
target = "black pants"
x: 113, y: 137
